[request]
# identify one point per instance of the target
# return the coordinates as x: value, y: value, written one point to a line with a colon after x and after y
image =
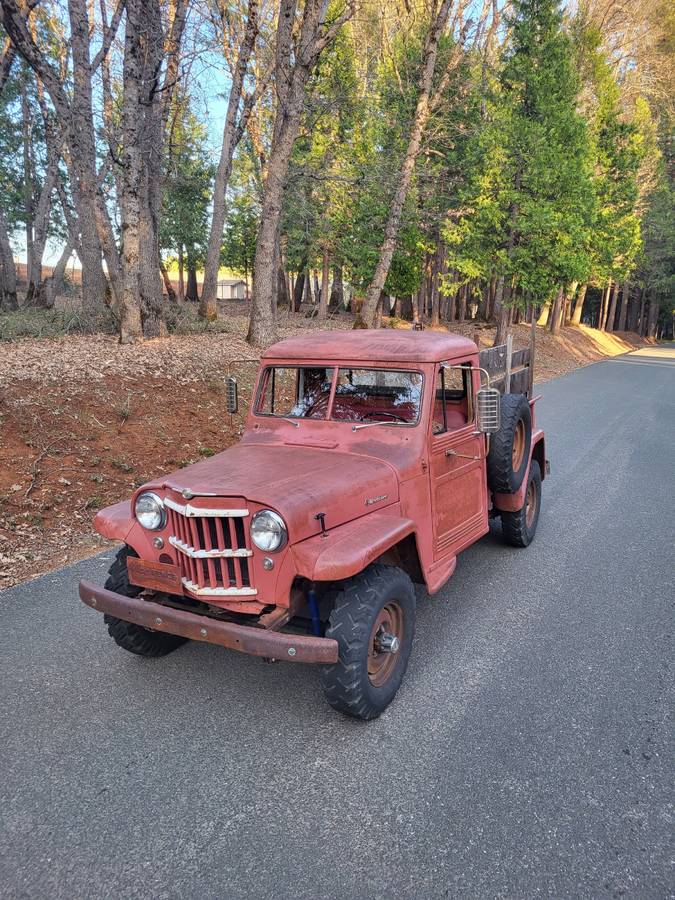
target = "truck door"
x: 458, y: 482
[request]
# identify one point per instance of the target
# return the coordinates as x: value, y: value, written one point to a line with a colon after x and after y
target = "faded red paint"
x: 377, y: 487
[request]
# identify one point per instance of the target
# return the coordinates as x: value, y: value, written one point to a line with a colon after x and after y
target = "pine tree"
x: 529, y: 200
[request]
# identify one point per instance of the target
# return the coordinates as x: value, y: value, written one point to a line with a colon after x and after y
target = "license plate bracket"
x: 156, y: 576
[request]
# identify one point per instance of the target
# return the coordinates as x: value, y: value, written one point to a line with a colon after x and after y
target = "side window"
x: 452, y: 400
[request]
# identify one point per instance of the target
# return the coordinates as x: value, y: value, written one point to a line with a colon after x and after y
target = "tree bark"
x: 653, y: 317
x: 297, y: 51
x: 623, y: 309
x: 337, y: 294
x: 53, y: 283
x: 579, y: 305
x: 232, y: 133
x: 609, y: 325
x: 325, y: 275
x: 168, y: 286
x: 569, y: 297
x: 557, y: 311
x: 192, y: 293
x: 8, y: 298
x: 299, y: 288
x: 501, y: 313
x: 422, y: 112
x: 181, y: 275
x: 283, y: 298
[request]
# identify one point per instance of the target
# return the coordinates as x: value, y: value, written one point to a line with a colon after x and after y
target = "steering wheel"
x: 394, y: 416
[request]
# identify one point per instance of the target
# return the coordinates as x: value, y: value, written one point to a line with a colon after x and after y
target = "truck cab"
x: 365, y: 465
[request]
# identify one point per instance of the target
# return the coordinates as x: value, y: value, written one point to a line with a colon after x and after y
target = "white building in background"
x: 231, y: 289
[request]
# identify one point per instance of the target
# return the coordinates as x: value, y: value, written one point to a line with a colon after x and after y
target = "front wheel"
x: 520, y: 527
x: 373, y: 621
x: 131, y: 637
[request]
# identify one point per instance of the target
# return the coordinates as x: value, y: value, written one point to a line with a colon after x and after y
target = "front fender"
x: 115, y: 522
x: 348, y: 549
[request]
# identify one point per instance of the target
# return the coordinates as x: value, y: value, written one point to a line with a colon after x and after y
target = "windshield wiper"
x: 383, y: 422
x: 292, y: 421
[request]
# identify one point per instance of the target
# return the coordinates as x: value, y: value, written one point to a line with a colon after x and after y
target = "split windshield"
x: 358, y: 395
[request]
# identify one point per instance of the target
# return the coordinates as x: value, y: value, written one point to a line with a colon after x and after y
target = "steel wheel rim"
x: 381, y: 664
x: 530, y: 504
x: 518, y: 450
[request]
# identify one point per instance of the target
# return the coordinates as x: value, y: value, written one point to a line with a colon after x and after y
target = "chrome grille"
x: 213, y: 549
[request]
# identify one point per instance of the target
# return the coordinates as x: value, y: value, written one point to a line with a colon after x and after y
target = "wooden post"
x: 507, y: 376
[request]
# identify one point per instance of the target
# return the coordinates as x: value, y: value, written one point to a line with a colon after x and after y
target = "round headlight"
x: 268, y: 530
x: 150, y: 511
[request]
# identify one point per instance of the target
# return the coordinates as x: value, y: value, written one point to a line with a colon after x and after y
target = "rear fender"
x: 347, y: 550
x: 514, y: 502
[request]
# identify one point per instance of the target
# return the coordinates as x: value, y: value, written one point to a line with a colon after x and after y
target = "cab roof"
x: 373, y: 345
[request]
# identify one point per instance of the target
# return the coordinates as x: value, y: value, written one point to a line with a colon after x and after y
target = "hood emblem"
x: 186, y: 494
x: 371, y: 500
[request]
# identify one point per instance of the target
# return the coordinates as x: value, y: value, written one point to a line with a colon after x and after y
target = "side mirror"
x: 488, y: 410
x: 232, y: 396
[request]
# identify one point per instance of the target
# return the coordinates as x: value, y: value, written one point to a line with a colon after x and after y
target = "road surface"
x: 527, y: 754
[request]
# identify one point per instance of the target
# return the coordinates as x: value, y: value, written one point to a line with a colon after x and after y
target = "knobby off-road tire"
x: 378, y: 601
x: 134, y: 638
x: 520, y: 527
x: 510, y: 446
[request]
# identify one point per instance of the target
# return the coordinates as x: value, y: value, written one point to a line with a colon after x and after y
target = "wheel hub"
x: 385, y: 642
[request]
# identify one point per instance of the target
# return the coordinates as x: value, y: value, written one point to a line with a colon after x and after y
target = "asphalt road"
x: 527, y: 754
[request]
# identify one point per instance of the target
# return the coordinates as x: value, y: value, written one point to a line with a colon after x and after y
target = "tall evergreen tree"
x: 527, y: 210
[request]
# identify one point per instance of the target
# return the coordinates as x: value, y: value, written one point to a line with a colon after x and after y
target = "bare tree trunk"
x: 641, y: 322
x: 297, y: 51
x: 557, y: 310
x: 283, y: 298
x: 28, y: 190
x: 544, y: 314
x: 423, y: 109
x: 569, y: 297
x: 54, y: 282
x: 8, y: 298
x: 325, y: 274
x: 131, y: 328
x: 609, y: 326
x: 337, y: 295
x: 653, y: 317
x: 501, y: 314
x: 168, y: 286
x: 579, y: 305
x: 181, y: 275
x: 232, y: 134
x: 299, y: 287
x: 604, y: 303
x: 192, y: 293
x: 437, y: 265
x: 623, y: 309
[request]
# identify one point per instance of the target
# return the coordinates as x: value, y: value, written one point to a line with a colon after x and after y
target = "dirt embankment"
x: 84, y: 421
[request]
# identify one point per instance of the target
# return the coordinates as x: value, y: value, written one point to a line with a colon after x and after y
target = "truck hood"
x: 298, y: 482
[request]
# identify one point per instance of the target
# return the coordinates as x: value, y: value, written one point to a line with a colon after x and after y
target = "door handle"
x: 461, y: 455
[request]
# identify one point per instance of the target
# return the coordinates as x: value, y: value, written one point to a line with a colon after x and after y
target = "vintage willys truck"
x: 369, y: 461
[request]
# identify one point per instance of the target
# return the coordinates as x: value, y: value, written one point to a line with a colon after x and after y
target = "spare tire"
x: 510, y: 446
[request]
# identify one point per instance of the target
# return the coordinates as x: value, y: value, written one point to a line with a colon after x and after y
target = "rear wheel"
x: 134, y: 638
x: 520, y: 527
x: 373, y: 621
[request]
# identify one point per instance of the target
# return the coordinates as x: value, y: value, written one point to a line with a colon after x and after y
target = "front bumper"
x: 245, y: 638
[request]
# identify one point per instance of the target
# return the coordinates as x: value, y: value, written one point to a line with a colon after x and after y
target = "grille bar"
x: 213, y: 549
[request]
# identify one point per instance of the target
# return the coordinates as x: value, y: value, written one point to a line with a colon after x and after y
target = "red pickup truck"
x: 369, y: 461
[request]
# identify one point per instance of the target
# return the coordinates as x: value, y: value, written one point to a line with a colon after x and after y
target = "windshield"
x: 298, y: 392
x: 361, y: 395
x: 377, y: 395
